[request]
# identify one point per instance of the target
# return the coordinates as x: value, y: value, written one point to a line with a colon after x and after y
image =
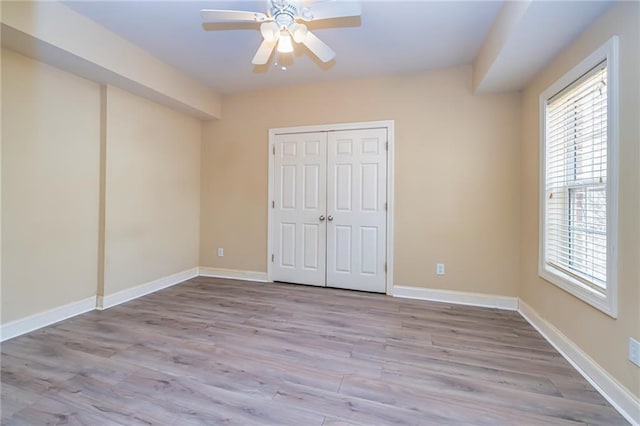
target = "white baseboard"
x: 233, y: 274
x: 622, y: 400
x: 458, y: 297
x: 110, y: 300
x: 33, y: 322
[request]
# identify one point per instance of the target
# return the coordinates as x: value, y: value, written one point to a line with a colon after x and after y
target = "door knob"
x: 321, y: 218
x: 330, y: 218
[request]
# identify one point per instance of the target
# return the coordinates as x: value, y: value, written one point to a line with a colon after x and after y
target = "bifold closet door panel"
x: 356, y: 209
x: 299, y: 225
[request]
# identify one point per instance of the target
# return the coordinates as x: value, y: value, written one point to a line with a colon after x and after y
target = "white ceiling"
x: 390, y: 36
x: 545, y: 28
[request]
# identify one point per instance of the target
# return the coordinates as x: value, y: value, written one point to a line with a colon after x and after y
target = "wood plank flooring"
x: 213, y: 351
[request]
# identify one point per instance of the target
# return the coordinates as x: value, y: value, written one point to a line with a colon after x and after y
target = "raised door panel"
x: 300, y: 201
x: 356, y: 188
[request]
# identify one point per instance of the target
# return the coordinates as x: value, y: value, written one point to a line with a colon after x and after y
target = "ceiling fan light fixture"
x: 269, y: 31
x: 284, y: 42
x: 298, y: 32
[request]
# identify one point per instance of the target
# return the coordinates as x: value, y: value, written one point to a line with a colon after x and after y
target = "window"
x: 578, y: 191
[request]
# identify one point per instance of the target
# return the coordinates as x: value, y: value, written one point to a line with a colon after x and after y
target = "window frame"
x: 607, y: 302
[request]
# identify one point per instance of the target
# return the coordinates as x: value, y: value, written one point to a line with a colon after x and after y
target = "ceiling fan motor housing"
x: 284, y: 11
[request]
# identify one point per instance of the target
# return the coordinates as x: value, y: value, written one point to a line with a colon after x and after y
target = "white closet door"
x: 300, y: 208
x: 356, y: 216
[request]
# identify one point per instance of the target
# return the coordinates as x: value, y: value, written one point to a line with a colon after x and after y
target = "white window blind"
x: 576, y: 180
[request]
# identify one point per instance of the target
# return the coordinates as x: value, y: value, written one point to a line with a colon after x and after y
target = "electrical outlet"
x: 440, y: 268
x: 220, y: 252
x: 634, y: 351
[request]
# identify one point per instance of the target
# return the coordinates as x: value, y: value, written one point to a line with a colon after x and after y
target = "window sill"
x: 605, y: 303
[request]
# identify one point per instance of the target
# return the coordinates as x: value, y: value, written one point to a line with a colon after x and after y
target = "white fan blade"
x: 332, y: 9
x: 219, y: 16
x: 264, y: 52
x: 318, y: 47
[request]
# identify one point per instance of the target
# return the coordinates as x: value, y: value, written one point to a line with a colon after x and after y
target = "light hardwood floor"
x: 213, y: 351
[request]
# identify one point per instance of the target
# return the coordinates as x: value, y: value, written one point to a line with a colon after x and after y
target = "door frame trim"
x: 384, y: 124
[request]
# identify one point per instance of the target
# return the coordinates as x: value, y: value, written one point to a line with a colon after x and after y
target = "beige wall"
x: 0, y: 182
x: 603, y: 338
x: 40, y: 29
x: 152, y: 191
x: 50, y: 154
x: 53, y: 125
x: 456, y: 181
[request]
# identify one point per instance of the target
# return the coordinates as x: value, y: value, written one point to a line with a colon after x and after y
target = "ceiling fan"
x: 283, y: 22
